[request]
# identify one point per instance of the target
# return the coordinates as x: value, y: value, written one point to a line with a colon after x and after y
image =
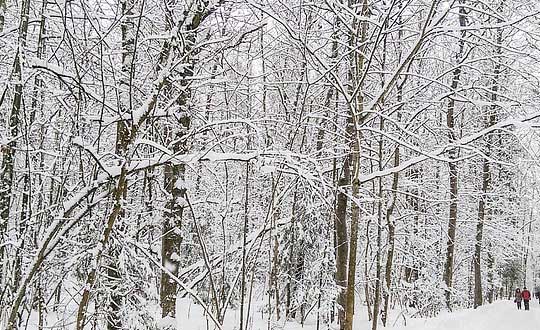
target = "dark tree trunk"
x: 114, y: 276
x: 342, y: 243
x: 7, y: 172
x: 453, y: 167
x: 477, y: 260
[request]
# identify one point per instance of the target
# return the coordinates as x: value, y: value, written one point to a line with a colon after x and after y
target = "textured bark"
x: 351, y: 276
x: 244, y: 242
x: 342, y: 244
x: 395, y: 181
x: 171, y: 239
x: 452, y: 217
x: 355, y: 117
x: 290, y: 287
x: 367, y: 288
x: 295, y: 264
x: 490, y: 281
x: 378, y: 270
x: 119, y: 192
x: 477, y: 260
x: 114, y: 276
x: 453, y: 167
x: 2, y: 14
x: 175, y: 173
x: 7, y: 171
x: 391, y: 239
x: 491, y: 116
x: 275, y: 259
x: 123, y: 139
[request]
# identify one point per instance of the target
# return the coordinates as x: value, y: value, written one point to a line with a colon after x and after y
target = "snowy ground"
x: 501, y: 315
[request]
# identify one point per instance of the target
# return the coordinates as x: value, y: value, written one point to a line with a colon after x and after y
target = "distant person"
x: 526, y: 295
x: 518, y: 298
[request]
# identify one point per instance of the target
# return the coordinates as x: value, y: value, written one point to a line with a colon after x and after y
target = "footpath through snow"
x: 501, y: 315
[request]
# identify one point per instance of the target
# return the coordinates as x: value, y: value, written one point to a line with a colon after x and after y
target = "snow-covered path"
x: 501, y: 315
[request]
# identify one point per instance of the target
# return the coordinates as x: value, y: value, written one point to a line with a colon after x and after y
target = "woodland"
x: 292, y: 161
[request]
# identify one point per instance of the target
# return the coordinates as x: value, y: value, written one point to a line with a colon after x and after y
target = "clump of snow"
x: 268, y: 169
x: 171, y: 267
x: 167, y: 323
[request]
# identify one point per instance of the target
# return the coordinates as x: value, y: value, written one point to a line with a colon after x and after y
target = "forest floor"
x: 501, y: 315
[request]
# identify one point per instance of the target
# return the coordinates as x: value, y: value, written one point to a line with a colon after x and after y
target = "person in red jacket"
x: 526, y: 295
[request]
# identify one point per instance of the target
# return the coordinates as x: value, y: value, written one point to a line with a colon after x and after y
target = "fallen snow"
x: 501, y: 315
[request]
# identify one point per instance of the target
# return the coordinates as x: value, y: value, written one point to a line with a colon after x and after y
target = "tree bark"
x: 171, y: 238
x: 342, y: 244
x: 3, y: 8
x: 491, y: 119
x: 175, y: 173
x: 7, y: 172
x: 244, y: 252
x: 477, y: 260
x: 391, y: 238
x: 453, y: 167
x: 119, y: 192
x: 114, y: 277
x: 378, y: 270
x: 356, y: 112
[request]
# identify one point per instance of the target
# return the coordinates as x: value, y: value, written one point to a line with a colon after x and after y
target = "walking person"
x: 526, y: 295
x: 518, y: 298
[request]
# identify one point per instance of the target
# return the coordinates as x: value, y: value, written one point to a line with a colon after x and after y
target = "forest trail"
x: 501, y: 315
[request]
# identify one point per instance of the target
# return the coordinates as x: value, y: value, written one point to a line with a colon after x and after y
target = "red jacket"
x: 526, y: 294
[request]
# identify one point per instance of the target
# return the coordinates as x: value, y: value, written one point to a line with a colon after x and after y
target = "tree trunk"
x: 342, y: 243
x: 391, y: 239
x: 491, y: 116
x: 453, y: 167
x: 3, y: 8
x: 244, y: 241
x: 7, y: 174
x: 378, y: 270
x: 119, y: 192
x: 175, y: 177
x: 274, y: 242
x: 171, y: 238
x: 477, y: 260
x: 356, y: 109
x: 491, y: 270
x: 122, y: 134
